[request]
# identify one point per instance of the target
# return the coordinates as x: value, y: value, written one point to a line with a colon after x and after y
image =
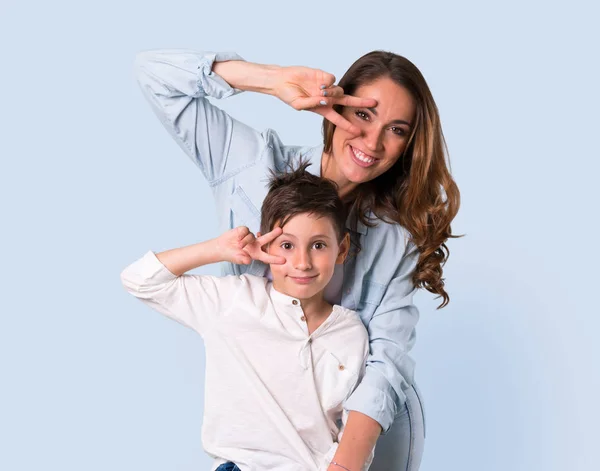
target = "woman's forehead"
x: 393, y: 101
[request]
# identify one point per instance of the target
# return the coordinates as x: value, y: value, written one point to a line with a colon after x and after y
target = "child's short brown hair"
x: 299, y: 192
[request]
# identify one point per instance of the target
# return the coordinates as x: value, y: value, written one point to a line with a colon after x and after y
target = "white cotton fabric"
x: 273, y: 393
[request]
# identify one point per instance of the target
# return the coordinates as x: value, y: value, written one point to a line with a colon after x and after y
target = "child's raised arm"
x: 160, y: 282
x: 237, y: 245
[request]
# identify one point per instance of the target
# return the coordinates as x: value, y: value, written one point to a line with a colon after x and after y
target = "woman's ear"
x: 344, y: 249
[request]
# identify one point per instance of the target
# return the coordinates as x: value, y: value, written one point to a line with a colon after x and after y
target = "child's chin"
x: 303, y: 291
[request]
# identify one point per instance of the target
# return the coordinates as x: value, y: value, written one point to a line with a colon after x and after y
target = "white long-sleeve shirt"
x: 274, y: 393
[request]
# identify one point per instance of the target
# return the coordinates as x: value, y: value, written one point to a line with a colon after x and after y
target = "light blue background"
x: 92, y: 380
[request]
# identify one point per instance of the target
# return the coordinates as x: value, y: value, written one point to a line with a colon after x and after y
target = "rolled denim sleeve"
x: 176, y: 83
x: 389, y: 370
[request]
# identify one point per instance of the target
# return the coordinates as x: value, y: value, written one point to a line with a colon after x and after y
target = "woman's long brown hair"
x: 418, y: 192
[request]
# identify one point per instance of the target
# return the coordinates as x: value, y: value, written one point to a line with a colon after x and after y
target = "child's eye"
x: 319, y: 245
x: 361, y: 114
x: 286, y: 246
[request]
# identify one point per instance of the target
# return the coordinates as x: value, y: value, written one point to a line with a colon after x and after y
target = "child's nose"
x: 303, y: 260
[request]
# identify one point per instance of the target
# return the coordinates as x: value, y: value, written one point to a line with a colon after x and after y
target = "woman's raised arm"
x: 176, y: 83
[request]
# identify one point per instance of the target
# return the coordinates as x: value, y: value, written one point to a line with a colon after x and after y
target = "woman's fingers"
x: 331, y: 115
x: 325, y: 79
x: 309, y: 102
x: 335, y: 96
x: 354, y: 101
x: 333, y: 91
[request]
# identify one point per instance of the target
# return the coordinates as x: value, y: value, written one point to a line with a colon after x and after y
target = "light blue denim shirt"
x: 235, y: 160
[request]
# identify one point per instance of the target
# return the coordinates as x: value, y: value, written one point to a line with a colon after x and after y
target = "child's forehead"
x: 307, y: 223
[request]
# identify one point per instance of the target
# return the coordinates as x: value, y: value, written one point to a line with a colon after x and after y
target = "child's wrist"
x: 216, y: 250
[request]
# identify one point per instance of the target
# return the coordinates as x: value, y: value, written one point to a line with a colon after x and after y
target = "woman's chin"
x: 356, y: 174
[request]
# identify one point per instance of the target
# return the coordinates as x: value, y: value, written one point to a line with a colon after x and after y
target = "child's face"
x: 310, y: 246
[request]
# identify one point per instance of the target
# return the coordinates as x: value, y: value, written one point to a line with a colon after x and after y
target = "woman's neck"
x: 330, y: 170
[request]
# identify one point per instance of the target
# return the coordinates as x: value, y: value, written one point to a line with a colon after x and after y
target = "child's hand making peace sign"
x: 240, y: 246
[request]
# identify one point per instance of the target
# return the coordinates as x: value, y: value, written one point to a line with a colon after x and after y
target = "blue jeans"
x: 401, y: 449
x: 229, y: 466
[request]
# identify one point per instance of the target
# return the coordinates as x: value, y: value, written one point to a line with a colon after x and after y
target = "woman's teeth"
x: 362, y: 156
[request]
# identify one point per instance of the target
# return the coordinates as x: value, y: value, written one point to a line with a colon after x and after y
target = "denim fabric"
x: 228, y: 467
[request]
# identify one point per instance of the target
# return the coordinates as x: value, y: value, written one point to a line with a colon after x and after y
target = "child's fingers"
x: 244, y: 259
x: 248, y: 239
x: 271, y: 259
x: 269, y: 236
x: 241, y: 231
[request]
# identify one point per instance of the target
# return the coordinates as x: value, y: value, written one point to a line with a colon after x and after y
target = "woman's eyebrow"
x: 395, y: 121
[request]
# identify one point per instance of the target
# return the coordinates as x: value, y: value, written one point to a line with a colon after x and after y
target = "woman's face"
x: 384, y: 133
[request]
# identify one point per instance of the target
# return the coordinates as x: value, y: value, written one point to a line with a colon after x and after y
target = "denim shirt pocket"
x: 370, y: 298
x: 245, y: 213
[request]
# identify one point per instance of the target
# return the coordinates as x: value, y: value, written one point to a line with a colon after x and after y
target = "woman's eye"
x: 286, y: 246
x: 361, y: 114
x: 319, y: 245
x: 399, y: 131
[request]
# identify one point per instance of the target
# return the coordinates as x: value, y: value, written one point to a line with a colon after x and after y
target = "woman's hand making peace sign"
x: 303, y: 88
x: 314, y: 90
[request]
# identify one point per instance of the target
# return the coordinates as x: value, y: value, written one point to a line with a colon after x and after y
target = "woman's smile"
x: 361, y: 158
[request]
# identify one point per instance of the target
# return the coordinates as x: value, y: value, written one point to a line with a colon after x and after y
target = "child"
x: 280, y: 360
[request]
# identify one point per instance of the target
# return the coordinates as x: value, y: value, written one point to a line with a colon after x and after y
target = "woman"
x: 383, y: 146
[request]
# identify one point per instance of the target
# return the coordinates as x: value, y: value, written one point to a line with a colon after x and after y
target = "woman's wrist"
x: 249, y: 76
x: 357, y: 444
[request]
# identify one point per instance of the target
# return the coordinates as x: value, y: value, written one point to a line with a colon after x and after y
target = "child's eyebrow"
x: 316, y: 236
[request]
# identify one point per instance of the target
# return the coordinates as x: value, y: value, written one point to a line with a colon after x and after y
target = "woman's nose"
x: 372, y: 138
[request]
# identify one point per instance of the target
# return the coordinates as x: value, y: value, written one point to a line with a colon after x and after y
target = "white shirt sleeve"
x: 192, y: 300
